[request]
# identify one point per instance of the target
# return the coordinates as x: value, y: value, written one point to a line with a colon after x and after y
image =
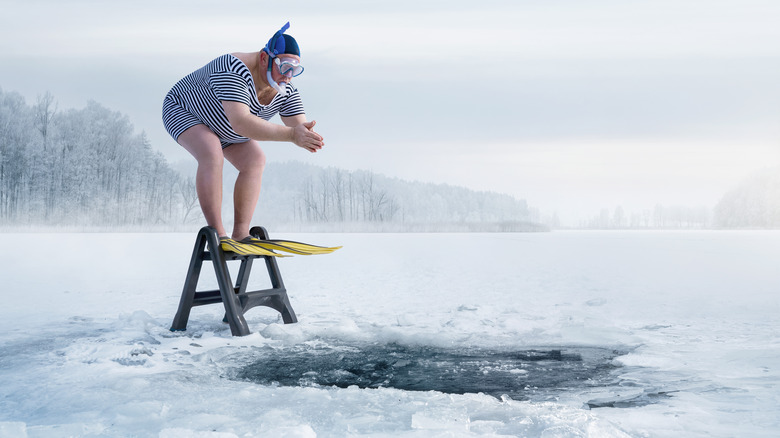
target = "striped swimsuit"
x: 196, y: 99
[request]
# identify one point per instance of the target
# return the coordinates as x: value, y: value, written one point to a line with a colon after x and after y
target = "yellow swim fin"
x: 243, y: 248
x: 290, y: 246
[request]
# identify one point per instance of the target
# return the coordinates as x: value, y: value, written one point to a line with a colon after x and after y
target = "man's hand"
x: 305, y: 137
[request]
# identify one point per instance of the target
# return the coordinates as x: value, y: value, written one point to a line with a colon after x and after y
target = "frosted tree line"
x: 660, y: 217
x: 338, y: 196
x: 754, y: 203
x: 88, y: 168
x: 83, y: 168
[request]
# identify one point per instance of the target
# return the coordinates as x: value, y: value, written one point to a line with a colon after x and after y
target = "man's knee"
x: 249, y: 158
x: 258, y: 161
x: 211, y: 158
x: 255, y: 157
x: 204, y: 145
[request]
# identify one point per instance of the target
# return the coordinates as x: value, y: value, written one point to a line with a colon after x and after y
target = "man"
x: 222, y: 110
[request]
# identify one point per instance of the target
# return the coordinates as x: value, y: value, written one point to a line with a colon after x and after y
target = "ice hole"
x: 536, y: 374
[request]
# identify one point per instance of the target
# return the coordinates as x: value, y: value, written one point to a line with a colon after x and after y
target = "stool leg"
x: 282, y: 302
x: 288, y: 314
x: 233, y: 310
x: 242, y: 280
x: 190, y: 284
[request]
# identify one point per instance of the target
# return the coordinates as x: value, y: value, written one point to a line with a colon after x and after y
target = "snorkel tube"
x: 278, y: 45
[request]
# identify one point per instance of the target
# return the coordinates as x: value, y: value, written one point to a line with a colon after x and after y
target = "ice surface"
x: 87, y: 351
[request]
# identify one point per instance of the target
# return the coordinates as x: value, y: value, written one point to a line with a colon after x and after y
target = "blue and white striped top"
x: 228, y: 78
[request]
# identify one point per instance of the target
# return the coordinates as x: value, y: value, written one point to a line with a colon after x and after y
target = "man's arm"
x: 248, y: 125
x: 294, y: 120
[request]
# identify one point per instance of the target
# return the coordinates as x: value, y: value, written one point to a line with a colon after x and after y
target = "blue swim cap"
x: 281, y: 43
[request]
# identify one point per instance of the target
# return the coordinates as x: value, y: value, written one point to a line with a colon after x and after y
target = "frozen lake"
x: 603, y: 334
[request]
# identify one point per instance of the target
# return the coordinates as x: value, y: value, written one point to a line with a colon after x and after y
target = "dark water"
x: 534, y: 374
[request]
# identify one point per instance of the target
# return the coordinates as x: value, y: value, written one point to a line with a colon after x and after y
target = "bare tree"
x: 45, y: 109
x: 189, y: 196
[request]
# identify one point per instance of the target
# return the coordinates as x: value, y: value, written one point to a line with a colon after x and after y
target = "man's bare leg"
x: 205, y: 146
x: 249, y: 159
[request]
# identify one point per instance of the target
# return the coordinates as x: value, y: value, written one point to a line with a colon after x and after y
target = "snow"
x: 691, y: 316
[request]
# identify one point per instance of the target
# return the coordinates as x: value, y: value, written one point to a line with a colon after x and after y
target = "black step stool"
x: 237, y: 299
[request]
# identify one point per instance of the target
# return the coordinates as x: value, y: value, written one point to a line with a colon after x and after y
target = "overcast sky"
x: 572, y: 105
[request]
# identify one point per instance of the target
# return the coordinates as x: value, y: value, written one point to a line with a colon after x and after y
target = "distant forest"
x: 314, y: 197
x: 88, y: 168
x: 753, y: 204
x: 81, y: 167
